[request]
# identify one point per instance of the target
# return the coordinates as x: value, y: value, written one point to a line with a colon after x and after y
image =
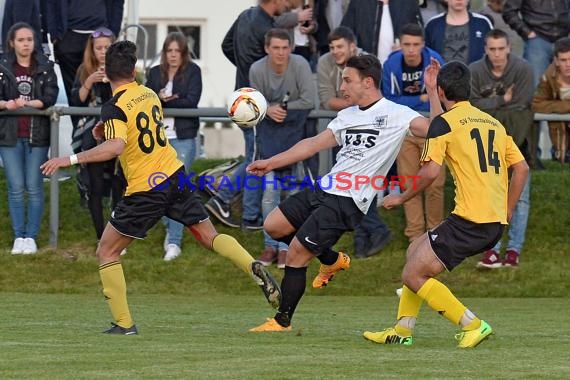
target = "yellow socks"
x: 408, y: 310
x: 410, y: 303
x: 440, y: 298
x: 115, y: 291
x: 229, y: 247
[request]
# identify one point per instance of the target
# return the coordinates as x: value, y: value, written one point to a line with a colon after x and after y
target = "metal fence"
x: 205, y: 114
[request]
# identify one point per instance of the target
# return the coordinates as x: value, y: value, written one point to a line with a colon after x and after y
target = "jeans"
x: 271, y: 199
x: 253, y: 193
x: 22, y: 166
x: 517, y: 227
x: 186, y: 151
x: 538, y: 52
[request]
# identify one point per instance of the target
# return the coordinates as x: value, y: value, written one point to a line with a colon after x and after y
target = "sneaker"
x: 378, y: 243
x: 30, y: 246
x: 221, y: 211
x: 281, y: 259
x: 172, y: 252
x: 252, y: 225
x: 490, y: 260
x: 511, y: 259
x: 18, y: 247
x: 388, y: 336
x: 470, y: 339
x: 268, y: 256
x: 327, y: 272
x: 267, y: 283
x: 116, y: 329
x: 270, y: 326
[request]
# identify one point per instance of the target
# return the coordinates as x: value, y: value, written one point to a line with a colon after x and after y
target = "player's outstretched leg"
x: 267, y: 283
x: 229, y: 247
x: 440, y: 299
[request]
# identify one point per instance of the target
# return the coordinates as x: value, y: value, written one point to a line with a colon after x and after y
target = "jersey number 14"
x: 489, y: 158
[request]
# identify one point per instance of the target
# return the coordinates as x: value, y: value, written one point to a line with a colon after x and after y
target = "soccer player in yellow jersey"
x: 133, y: 131
x: 479, y: 154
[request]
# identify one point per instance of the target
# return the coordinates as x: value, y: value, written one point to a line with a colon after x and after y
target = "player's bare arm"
x: 298, y: 152
x: 430, y: 81
x: 419, y: 126
x: 516, y: 185
x: 427, y: 174
x: 104, y: 152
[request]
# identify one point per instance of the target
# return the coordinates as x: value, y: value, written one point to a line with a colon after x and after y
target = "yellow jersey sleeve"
x: 115, y: 123
x: 513, y: 154
x: 435, y: 146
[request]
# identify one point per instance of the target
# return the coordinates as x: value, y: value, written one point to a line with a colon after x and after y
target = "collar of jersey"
x: 125, y: 86
x: 461, y: 104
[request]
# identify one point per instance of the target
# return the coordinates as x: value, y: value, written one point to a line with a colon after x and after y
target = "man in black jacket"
x: 70, y: 24
x: 244, y: 42
x: 539, y: 26
x: 365, y: 18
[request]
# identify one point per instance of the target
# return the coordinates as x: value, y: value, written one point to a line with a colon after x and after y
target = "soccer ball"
x: 246, y: 107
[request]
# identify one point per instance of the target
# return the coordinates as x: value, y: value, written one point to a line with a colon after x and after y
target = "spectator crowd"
x: 294, y: 53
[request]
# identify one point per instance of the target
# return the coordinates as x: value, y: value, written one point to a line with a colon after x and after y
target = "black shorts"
x: 137, y: 213
x: 456, y: 238
x: 320, y: 218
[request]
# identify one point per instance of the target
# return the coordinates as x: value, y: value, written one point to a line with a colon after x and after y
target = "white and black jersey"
x: 370, y: 139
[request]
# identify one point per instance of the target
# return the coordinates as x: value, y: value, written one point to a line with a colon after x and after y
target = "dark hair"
x: 368, y: 66
x: 412, y: 29
x: 90, y: 63
x: 341, y: 32
x: 454, y: 78
x: 280, y: 34
x: 12, y: 36
x: 562, y: 45
x: 497, y: 34
x: 120, y: 60
x: 182, y: 42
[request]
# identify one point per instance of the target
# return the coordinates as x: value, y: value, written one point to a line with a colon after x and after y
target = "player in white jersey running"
x: 311, y: 222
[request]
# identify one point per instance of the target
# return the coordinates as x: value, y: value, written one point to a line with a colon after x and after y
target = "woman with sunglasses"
x: 178, y: 83
x: 27, y: 79
x: 92, y: 89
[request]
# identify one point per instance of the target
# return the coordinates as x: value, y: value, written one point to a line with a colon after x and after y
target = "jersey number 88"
x: 146, y: 138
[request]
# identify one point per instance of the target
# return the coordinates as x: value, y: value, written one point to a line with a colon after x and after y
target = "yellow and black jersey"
x: 134, y: 114
x: 478, y: 152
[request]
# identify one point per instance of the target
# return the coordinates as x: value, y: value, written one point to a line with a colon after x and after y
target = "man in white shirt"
x: 370, y: 134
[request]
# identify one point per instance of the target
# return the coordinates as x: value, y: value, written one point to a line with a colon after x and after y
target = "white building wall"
x: 215, y: 18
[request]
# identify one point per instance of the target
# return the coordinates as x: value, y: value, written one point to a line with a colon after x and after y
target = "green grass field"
x: 57, y: 336
x: 194, y: 313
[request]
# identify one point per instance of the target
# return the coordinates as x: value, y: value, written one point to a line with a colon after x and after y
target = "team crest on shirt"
x: 381, y: 121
